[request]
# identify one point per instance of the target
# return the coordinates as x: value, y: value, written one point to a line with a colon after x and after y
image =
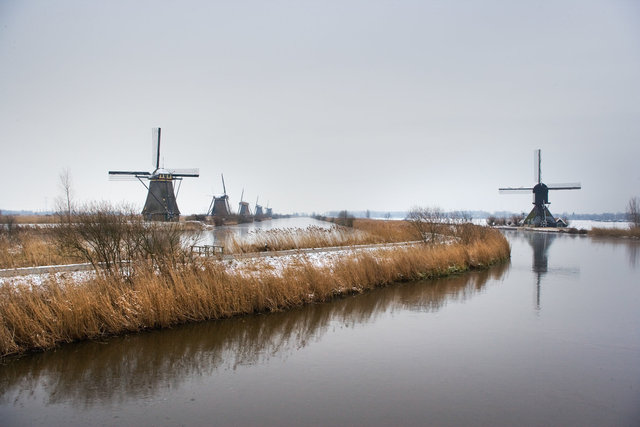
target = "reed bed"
x: 61, y: 311
x: 363, y: 232
x: 387, y: 231
x: 633, y: 232
x: 31, y: 246
x: 280, y: 239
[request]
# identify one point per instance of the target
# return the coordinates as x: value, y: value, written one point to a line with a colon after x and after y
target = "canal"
x: 551, y: 338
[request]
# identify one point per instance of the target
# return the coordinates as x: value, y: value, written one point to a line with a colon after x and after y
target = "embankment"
x: 62, y: 311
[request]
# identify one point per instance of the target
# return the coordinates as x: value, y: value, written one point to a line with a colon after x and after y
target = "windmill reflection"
x: 540, y: 243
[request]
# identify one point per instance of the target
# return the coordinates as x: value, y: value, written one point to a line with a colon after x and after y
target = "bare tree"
x: 65, y: 201
x: 345, y: 219
x: 428, y: 222
x: 633, y: 211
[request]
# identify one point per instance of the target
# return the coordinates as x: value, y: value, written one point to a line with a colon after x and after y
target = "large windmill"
x: 161, y: 202
x: 540, y: 215
x: 219, y: 206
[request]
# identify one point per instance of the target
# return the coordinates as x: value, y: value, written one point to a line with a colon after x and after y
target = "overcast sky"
x: 323, y: 105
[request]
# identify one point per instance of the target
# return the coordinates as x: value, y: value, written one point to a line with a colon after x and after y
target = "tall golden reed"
x: 59, y: 311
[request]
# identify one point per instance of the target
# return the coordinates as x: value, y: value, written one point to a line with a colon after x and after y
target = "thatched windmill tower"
x: 219, y: 207
x: 540, y: 215
x: 161, y: 202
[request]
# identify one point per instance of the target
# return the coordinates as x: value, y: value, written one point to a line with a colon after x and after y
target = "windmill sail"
x: 565, y: 186
x: 515, y: 190
x: 155, y: 147
x: 191, y: 172
x: 536, y: 166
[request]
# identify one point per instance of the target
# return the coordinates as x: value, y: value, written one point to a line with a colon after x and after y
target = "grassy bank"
x: 60, y: 311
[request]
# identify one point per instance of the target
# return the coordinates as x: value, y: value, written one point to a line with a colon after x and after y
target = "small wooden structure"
x: 207, y: 250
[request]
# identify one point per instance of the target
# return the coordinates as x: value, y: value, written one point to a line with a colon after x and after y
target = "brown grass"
x: 31, y: 246
x: 35, y: 219
x: 60, y: 311
x: 363, y: 232
x: 633, y: 232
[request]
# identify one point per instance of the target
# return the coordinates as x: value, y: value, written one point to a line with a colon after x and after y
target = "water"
x: 217, y: 235
x: 550, y: 339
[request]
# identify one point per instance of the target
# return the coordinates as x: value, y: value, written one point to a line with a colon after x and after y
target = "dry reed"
x: 31, y: 246
x: 363, y: 232
x: 633, y: 232
x: 60, y: 311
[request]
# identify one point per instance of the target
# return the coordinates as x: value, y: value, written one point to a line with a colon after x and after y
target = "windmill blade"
x: 127, y: 175
x: 515, y: 190
x: 136, y: 173
x: 565, y: 186
x: 155, y: 147
x: 224, y: 188
x: 193, y: 172
x: 537, y: 160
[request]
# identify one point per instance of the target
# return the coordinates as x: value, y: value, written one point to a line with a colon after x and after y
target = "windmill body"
x: 219, y: 207
x: 244, y: 212
x: 259, y: 213
x: 540, y: 216
x: 161, y: 204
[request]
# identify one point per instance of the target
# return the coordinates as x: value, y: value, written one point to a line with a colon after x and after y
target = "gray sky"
x: 323, y: 105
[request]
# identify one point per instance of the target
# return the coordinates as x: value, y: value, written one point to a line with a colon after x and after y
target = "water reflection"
x: 97, y: 373
x: 540, y: 242
x: 631, y: 247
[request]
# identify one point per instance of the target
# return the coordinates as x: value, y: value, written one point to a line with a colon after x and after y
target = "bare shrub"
x: 345, y: 219
x: 428, y: 222
x: 110, y: 238
x: 633, y: 211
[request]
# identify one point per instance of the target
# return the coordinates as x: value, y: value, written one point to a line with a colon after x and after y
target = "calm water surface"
x: 552, y: 338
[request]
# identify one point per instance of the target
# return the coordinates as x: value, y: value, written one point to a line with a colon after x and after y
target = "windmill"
x: 269, y: 211
x: 220, y: 205
x: 540, y: 215
x: 161, y: 202
x: 258, y: 214
x: 243, y: 210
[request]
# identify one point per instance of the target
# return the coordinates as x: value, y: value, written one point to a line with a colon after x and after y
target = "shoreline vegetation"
x: 35, y: 244
x: 164, y: 285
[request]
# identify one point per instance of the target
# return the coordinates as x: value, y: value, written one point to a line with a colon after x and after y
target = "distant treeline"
x: 607, y: 216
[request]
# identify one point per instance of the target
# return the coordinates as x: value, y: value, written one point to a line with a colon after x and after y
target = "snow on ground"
x: 247, y: 265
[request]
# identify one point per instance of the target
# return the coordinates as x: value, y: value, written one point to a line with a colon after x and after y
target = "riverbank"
x: 61, y: 310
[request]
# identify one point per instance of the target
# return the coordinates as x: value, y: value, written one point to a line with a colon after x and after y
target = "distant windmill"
x: 161, y: 202
x: 540, y: 215
x: 259, y: 213
x: 243, y: 209
x: 269, y: 211
x: 220, y: 205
